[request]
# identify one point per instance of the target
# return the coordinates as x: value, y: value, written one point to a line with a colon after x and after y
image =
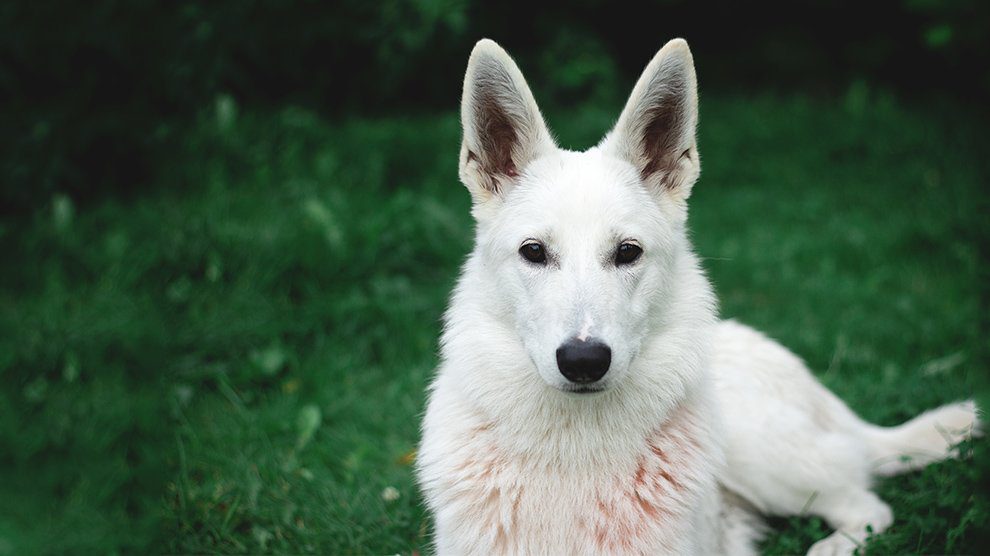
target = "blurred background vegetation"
x: 96, y: 95
x: 228, y: 230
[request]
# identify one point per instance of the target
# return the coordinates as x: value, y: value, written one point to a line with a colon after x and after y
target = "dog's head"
x: 582, y: 247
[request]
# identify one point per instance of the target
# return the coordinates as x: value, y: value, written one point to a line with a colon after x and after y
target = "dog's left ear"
x: 503, y: 128
x: 656, y: 131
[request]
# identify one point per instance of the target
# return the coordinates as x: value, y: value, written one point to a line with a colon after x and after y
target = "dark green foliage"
x: 92, y: 91
x: 235, y: 361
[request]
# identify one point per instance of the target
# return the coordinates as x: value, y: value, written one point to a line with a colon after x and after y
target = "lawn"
x: 233, y: 359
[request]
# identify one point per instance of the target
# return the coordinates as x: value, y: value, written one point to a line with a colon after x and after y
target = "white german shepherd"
x: 589, y: 400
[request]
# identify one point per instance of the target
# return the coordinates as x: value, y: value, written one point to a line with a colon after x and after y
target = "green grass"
x: 235, y: 360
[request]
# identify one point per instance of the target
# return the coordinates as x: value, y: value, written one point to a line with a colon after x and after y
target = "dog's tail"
x: 929, y: 437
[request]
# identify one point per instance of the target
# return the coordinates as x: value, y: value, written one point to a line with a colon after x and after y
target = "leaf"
x: 938, y: 36
x: 270, y: 360
x: 306, y: 424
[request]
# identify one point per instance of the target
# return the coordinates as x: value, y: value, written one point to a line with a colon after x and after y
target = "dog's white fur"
x: 700, y: 424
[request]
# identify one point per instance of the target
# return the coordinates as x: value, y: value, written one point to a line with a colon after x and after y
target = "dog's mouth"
x: 583, y: 390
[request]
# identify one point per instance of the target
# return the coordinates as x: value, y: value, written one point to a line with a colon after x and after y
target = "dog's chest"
x: 489, y: 501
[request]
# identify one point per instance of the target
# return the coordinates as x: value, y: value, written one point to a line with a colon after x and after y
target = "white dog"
x: 588, y: 399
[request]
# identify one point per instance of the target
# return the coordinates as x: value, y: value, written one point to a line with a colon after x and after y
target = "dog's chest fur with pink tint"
x: 494, y: 501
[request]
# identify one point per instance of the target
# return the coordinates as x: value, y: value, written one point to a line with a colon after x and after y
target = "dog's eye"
x: 627, y: 253
x: 534, y: 252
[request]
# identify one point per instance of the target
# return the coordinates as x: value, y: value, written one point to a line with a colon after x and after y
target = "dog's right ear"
x: 656, y: 131
x: 503, y: 128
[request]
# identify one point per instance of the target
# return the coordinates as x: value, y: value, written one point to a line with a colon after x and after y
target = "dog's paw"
x: 967, y: 420
x: 836, y: 544
x: 959, y: 422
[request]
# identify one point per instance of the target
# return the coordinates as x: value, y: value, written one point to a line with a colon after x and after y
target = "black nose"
x: 583, y: 362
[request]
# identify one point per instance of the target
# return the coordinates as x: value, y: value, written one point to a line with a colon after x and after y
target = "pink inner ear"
x: 659, y: 139
x: 509, y: 171
x: 498, y: 137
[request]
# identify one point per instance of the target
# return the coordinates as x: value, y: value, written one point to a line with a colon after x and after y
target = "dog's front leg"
x: 851, y: 514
